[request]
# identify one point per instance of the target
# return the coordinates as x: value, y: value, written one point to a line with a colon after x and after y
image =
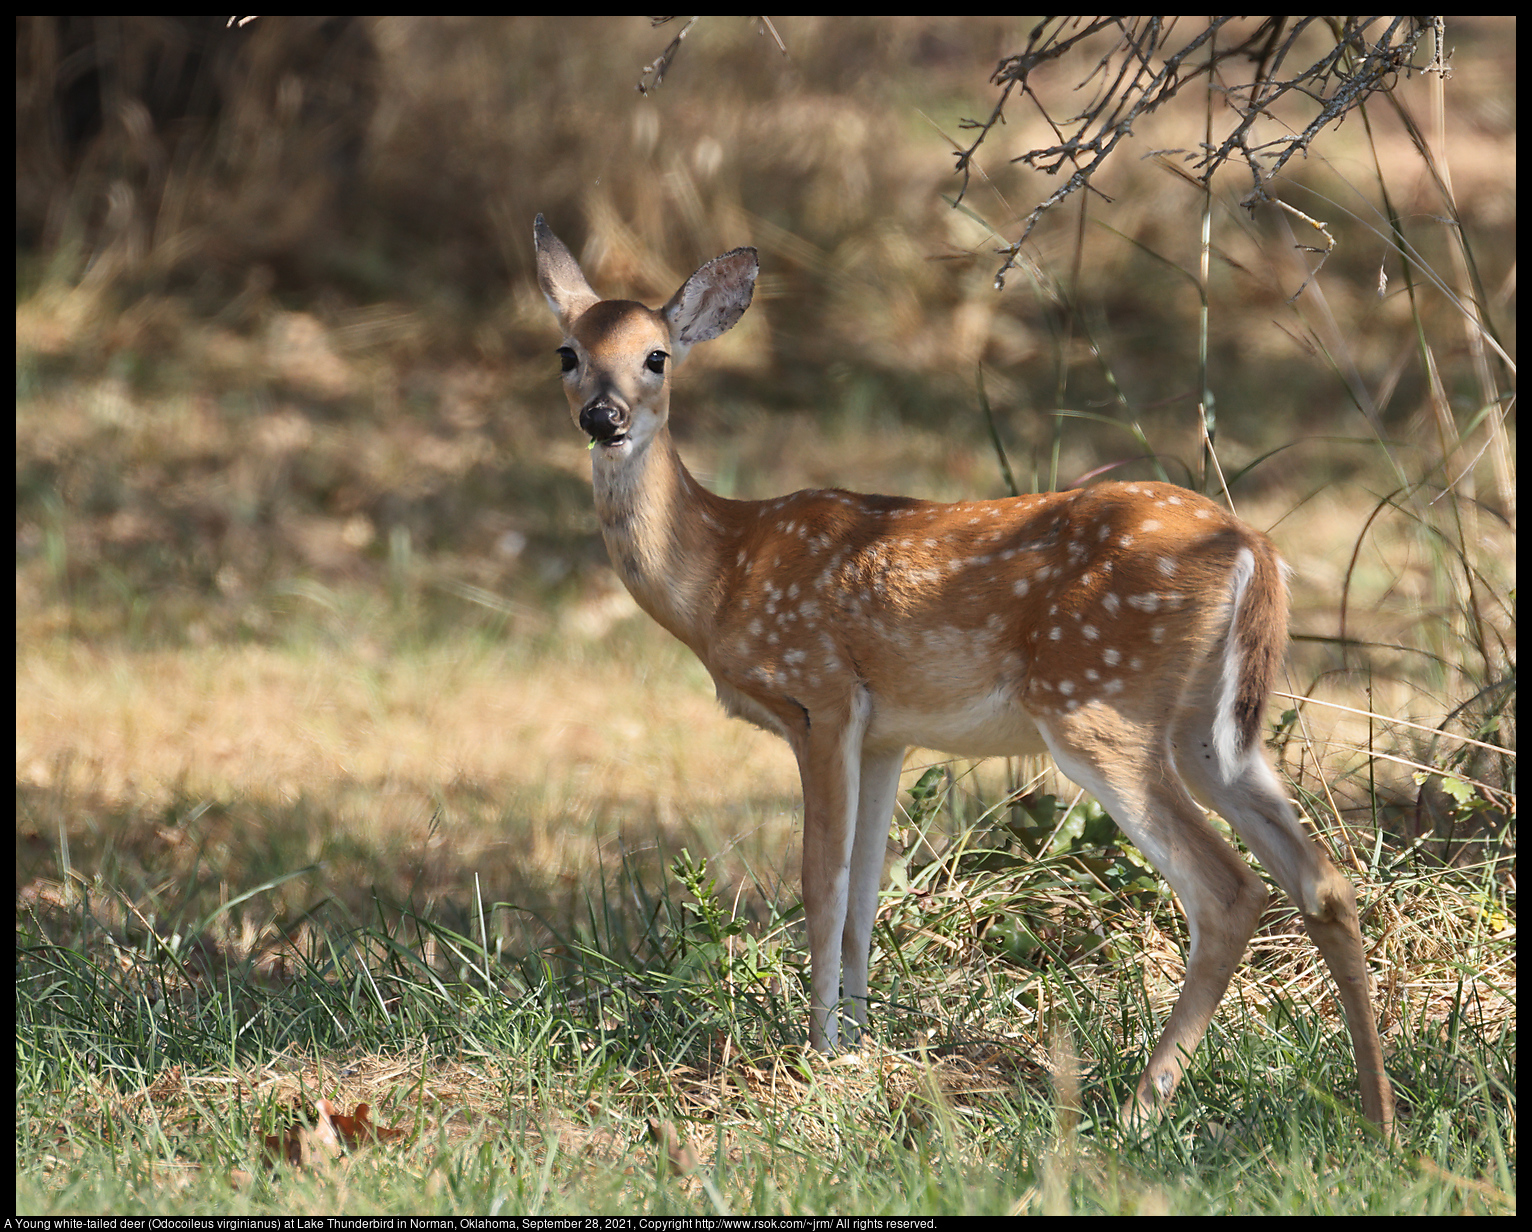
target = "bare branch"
x: 662, y: 62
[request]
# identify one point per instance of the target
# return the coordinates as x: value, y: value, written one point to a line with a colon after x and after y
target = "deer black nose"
x: 604, y: 423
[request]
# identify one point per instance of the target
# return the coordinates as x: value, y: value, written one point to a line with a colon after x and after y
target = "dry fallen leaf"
x: 314, y: 1136
x: 681, y: 1156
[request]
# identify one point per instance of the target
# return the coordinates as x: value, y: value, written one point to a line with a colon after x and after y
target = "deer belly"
x: 982, y: 723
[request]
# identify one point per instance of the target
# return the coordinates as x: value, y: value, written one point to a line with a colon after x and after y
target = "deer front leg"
x: 829, y: 762
x: 874, y: 815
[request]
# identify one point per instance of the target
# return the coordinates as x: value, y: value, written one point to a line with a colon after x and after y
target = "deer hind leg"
x: 1130, y: 771
x: 874, y: 814
x: 1250, y: 798
x: 829, y: 762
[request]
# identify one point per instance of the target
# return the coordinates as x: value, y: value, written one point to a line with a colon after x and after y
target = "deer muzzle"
x: 605, y: 423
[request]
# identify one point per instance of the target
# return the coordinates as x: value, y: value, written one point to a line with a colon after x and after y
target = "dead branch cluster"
x: 1149, y: 61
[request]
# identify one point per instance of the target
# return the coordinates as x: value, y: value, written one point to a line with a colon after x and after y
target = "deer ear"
x: 559, y: 276
x: 711, y: 300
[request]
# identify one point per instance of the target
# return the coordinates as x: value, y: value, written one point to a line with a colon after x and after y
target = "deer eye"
x: 568, y: 359
x: 656, y: 361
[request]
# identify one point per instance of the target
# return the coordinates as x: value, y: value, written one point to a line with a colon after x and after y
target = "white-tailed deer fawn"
x: 1130, y: 630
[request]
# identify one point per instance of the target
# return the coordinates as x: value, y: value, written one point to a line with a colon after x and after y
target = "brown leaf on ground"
x: 681, y: 1156
x: 314, y: 1135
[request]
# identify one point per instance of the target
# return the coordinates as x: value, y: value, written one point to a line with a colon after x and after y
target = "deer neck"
x: 663, y: 531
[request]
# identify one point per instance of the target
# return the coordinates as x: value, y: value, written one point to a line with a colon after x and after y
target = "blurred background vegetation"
x: 306, y: 560
x: 286, y: 272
